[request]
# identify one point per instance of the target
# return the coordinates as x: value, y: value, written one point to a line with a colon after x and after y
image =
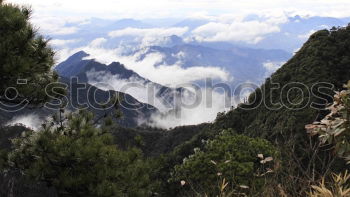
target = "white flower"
x: 183, y: 183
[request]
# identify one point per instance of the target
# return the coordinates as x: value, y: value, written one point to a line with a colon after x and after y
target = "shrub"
x: 334, y: 129
x: 79, y: 159
x: 338, y: 187
x: 240, y: 161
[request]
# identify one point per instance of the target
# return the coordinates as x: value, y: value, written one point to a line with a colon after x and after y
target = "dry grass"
x: 338, y: 187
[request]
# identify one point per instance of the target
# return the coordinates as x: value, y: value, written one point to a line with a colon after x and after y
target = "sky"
x: 184, y: 8
x: 62, y: 19
x: 225, y: 22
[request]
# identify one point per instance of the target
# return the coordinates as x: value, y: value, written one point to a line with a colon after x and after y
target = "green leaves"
x: 24, y: 54
x: 335, y: 127
x: 236, y: 158
x: 81, y: 160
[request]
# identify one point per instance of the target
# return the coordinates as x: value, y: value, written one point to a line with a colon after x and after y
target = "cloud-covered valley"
x: 227, y: 48
x: 149, y: 67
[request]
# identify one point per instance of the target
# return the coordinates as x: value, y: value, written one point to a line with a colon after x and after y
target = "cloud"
x: 149, y: 36
x: 183, y: 8
x: 307, y: 35
x: 244, y: 31
x: 98, y: 42
x: 137, y: 32
x: 271, y: 67
x: 63, y: 31
x: 202, y: 107
x: 140, y: 89
x: 173, y: 75
x: 191, y: 107
x: 31, y: 121
x: 151, y: 66
x: 61, y: 43
x: 57, y: 26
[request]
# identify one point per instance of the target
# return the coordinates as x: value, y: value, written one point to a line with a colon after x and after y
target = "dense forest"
x: 291, y: 137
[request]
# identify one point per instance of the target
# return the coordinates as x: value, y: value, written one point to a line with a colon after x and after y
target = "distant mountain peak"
x: 129, y: 22
x: 78, y: 56
x: 73, y: 65
x: 121, y: 70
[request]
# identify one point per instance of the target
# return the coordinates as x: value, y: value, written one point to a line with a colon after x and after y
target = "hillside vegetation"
x: 321, y: 66
x: 260, y: 148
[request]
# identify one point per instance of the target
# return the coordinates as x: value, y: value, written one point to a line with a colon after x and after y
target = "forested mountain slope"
x: 323, y: 61
x: 309, y: 79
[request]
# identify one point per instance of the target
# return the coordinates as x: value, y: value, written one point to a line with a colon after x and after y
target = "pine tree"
x: 79, y: 159
x: 26, y: 60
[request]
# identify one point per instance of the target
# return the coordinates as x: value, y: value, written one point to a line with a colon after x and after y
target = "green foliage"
x: 3, y: 159
x: 325, y: 57
x: 335, y: 127
x: 24, y: 54
x: 81, y: 160
x: 234, y: 158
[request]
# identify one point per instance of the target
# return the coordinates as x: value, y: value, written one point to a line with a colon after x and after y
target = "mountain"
x: 66, y: 69
x: 324, y: 58
x: 117, y: 77
x: 80, y: 94
x: 321, y: 66
x: 295, y: 95
x: 76, y: 65
x: 293, y: 32
x: 128, y: 22
x: 238, y: 61
x: 191, y: 23
x: 296, y: 31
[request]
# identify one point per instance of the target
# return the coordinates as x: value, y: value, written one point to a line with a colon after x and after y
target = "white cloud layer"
x: 31, y: 121
x: 57, y: 26
x: 159, y: 32
x: 247, y: 31
x: 207, y: 104
x: 271, y: 67
x: 307, y: 35
x: 98, y: 42
x: 192, y: 107
x: 149, y: 36
x: 62, y: 43
x: 181, y: 8
x: 140, y: 89
x: 150, y: 67
x: 59, y: 18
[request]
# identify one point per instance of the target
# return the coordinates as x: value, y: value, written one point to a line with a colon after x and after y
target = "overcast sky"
x: 60, y: 19
x: 180, y: 8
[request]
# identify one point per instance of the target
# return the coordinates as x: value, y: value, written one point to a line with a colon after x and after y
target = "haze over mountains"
x: 185, y: 98
x: 116, y: 77
x: 225, y: 48
x: 177, y: 57
x: 282, y: 32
